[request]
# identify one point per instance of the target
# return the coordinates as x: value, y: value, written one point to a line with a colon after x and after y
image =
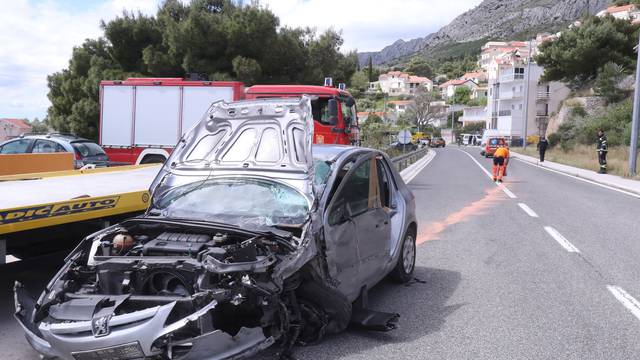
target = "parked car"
x: 249, y: 241
x: 492, y: 145
x: 437, y: 142
x: 85, y: 151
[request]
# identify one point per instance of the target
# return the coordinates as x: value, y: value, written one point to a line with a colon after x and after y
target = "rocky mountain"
x: 492, y: 20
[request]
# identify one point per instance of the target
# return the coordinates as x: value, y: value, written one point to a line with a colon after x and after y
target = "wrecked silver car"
x: 254, y: 237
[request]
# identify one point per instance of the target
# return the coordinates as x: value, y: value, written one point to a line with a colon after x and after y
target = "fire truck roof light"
x: 328, y: 82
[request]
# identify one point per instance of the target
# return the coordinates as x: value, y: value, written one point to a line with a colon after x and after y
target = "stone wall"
x: 591, y: 105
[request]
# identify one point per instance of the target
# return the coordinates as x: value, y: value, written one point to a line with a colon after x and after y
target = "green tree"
x: 370, y: 69
x: 606, y: 85
x: 246, y: 69
x: 359, y: 82
x: 419, y: 67
x: 214, y: 37
x: 462, y: 95
x: 581, y: 51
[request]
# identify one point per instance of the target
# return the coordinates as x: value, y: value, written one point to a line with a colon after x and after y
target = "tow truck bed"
x: 34, y: 201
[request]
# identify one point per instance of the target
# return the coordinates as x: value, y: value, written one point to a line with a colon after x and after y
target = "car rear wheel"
x: 403, y: 272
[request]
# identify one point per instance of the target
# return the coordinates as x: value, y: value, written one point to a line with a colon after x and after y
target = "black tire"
x: 402, y: 273
x: 334, y: 304
x: 153, y: 159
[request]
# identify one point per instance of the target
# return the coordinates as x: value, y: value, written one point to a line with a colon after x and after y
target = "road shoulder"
x: 612, y: 181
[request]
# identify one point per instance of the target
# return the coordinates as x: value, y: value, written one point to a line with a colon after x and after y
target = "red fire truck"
x: 141, y: 119
x: 334, y: 110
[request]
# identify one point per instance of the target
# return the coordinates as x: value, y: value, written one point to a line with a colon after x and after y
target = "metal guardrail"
x: 403, y: 161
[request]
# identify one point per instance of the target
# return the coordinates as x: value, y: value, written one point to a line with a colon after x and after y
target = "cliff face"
x: 492, y: 19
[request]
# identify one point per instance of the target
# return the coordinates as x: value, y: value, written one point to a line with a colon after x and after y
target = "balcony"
x: 511, y: 77
x: 543, y: 95
x: 542, y: 113
x: 509, y: 94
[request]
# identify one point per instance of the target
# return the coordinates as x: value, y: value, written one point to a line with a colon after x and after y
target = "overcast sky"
x: 37, y: 36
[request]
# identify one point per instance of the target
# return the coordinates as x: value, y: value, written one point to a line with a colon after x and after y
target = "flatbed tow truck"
x: 36, y: 207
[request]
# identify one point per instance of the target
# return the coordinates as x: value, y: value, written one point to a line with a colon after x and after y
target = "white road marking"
x: 528, y: 210
x: 504, y: 188
x: 480, y: 165
x: 581, y: 179
x: 508, y: 192
x: 561, y: 239
x: 419, y: 167
x: 627, y: 300
x: 10, y: 258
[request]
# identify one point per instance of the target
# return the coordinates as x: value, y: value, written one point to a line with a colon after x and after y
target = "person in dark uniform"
x: 542, y: 147
x: 602, y: 151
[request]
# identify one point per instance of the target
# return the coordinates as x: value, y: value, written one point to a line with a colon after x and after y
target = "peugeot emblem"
x: 100, y: 326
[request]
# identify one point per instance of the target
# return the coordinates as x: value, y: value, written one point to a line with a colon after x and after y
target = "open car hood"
x: 270, y: 138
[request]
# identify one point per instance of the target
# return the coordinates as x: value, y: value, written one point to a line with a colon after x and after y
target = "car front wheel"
x: 403, y: 272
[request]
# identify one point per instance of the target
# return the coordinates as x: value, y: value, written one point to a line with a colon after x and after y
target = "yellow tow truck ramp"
x: 33, y: 201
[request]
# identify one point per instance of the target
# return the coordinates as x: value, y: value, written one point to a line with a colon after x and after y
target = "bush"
x: 578, y: 110
x: 553, y: 139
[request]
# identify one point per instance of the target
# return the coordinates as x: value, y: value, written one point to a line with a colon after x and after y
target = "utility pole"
x: 526, y: 98
x: 453, y: 119
x: 633, y: 149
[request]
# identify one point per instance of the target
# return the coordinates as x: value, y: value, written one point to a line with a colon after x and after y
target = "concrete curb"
x: 613, y: 181
x: 412, y: 170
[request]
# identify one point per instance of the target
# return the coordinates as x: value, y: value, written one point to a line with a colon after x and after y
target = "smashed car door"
x: 373, y: 225
x: 356, y: 233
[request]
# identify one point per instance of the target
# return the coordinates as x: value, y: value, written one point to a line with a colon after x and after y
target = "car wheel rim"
x: 408, y: 254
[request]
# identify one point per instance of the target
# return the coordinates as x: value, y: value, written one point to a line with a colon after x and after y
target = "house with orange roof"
x: 449, y: 88
x: 396, y: 83
x: 11, y: 128
x: 624, y: 12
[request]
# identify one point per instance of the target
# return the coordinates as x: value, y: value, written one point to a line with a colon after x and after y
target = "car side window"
x: 44, y: 146
x: 15, y: 147
x: 384, y: 182
x: 359, y: 193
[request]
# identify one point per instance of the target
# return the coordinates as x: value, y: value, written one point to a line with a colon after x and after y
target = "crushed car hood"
x: 270, y: 138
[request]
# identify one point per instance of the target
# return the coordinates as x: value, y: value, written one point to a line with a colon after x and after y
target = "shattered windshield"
x: 236, y: 201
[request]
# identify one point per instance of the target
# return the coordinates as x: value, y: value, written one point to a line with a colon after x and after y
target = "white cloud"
x: 37, y: 36
x: 36, y: 39
x: 369, y: 25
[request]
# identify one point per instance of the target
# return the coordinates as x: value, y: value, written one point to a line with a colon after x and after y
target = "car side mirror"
x: 333, y: 111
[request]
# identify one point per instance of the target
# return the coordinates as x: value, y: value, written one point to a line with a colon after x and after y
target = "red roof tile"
x: 18, y: 123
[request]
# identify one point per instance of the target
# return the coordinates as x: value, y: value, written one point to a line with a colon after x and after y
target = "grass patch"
x: 586, y: 157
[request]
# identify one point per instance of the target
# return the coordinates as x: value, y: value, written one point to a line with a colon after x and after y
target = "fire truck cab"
x: 334, y: 109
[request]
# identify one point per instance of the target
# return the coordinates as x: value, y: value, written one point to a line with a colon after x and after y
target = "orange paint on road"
x: 432, y: 231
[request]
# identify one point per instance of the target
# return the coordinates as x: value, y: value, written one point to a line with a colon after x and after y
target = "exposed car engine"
x: 212, y: 281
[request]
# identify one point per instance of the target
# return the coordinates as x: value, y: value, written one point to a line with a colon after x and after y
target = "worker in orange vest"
x: 500, y: 161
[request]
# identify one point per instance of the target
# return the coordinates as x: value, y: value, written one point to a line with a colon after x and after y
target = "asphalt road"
x: 547, y: 269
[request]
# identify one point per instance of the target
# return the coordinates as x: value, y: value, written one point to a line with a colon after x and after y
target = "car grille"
x: 120, y: 352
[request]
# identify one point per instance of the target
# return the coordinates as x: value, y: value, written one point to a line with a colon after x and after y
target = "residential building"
x: 474, y: 114
x: 626, y: 12
x: 399, y: 83
x: 515, y: 85
x: 478, y: 77
x: 493, y: 49
x: 11, y: 128
x: 449, y: 88
x: 400, y: 106
x: 481, y: 92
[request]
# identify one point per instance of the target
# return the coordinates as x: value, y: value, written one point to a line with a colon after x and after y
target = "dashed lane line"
x: 625, y: 299
x: 561, y: 239
x: 508, y: 192
x: 528, y: 210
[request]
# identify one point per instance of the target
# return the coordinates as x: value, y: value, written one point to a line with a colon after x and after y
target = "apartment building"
x: 493, y: 49
x: 515, y: 85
